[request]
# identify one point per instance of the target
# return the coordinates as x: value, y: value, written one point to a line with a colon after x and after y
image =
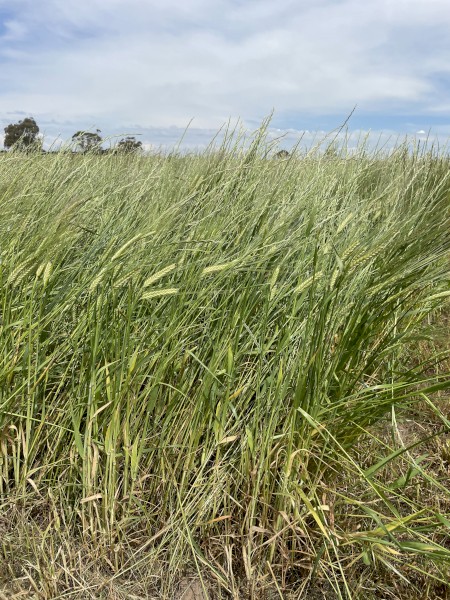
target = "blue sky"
x: 150, y: 66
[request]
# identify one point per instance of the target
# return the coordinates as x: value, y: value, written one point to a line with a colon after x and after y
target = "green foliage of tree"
x: 88, y: 141
x: 129, y: 145
x: 22, y: 135
x: 282, y: 154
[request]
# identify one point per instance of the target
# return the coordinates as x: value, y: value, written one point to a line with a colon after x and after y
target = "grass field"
x: 225, y: 374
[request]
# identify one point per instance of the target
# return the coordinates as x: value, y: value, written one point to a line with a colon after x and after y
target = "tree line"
x: 24, y: 136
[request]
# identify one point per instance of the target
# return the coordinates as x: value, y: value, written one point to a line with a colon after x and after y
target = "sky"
x: 151, y: 67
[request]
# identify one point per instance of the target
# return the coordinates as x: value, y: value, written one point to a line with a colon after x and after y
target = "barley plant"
x: 207, y: 362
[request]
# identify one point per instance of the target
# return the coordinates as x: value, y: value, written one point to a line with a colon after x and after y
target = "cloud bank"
x: 129, y: 66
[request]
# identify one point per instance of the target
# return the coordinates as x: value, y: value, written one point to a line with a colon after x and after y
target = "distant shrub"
x: 282, y: 154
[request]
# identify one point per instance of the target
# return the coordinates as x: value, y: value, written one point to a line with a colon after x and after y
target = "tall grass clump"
x: 195, y: 352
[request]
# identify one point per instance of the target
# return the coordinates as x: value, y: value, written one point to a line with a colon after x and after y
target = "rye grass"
x: 194, y: 353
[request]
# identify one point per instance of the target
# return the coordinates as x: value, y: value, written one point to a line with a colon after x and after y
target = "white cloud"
x: 14, y: 31
x: 116, y: 63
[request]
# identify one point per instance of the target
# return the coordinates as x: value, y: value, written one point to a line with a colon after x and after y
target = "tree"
x: 129, y: 145
x: 282, y: 154
x: 88, y: 141
x: 22, y: 135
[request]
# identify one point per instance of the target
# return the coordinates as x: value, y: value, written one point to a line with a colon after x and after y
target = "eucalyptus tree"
x: 88, y: 141
x: 22, y: 135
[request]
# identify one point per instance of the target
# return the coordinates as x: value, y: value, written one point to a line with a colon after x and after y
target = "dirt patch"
x: 192, y: 589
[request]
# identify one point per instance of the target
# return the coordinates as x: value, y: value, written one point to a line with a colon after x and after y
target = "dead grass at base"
x: 37, y: 561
